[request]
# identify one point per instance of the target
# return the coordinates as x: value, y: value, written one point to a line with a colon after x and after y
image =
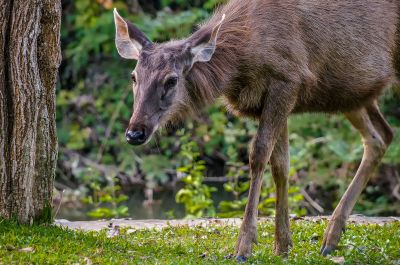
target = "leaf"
x: 107, y: 4
x: 106, y: 198
x: 130, y: 231
x: 87, y: 260
x: 26, y: 250
x: 101, y: 213
x: 121, y: 198
x: 122, y: 211
x: 113, y: 232
x: 183, y: 195
x: 337, y: 260
x: 10, y: 247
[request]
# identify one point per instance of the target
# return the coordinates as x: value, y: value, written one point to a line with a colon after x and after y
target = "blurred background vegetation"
x: 200, y: 169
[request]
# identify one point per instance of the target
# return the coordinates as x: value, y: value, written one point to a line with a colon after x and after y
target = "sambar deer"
x: 268, y: 59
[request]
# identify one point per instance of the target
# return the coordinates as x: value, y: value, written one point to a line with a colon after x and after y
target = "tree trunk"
x: 29, y: 60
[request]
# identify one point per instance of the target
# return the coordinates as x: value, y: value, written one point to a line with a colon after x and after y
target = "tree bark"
x: 29, y: 60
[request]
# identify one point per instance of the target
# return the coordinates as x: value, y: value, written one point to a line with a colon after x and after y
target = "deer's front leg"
x: 280, y: 172
x: 272, y: 122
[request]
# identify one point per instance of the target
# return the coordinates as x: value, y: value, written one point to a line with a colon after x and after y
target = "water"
x: 164, y: 201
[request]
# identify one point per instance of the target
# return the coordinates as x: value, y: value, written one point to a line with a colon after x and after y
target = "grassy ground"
x: 361, y: 244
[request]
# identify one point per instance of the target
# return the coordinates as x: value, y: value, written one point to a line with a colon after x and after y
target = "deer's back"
x: 340, y: 51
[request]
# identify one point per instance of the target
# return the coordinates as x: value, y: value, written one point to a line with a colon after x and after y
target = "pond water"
x: 164, y: 202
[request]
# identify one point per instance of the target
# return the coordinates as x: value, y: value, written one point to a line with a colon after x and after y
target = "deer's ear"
x: 128, y: 38
x: 203, y: 44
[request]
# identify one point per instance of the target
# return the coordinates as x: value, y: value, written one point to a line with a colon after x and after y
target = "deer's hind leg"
x: 377, y: 136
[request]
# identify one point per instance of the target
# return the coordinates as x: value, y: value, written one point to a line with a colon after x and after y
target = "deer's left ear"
x: 203, y: 44
x: 128, y: 38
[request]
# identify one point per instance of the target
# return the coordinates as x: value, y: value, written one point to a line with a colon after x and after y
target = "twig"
x: 59, y: 204
x: 313, y: 203
x: 107, y: 170
x: 111, y: 124
x: 396, y: 189
x: 396, y: 192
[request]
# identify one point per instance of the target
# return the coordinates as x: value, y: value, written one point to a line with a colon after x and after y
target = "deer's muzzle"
x: 136, y: 137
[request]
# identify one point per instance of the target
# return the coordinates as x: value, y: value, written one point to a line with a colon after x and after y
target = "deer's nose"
x: 136, y: 137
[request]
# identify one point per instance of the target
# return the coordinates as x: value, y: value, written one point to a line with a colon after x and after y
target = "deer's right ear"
x: 128, y: 38
x: 203, y: 44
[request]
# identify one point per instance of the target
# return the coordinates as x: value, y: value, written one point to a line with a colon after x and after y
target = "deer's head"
x: 159, y: 79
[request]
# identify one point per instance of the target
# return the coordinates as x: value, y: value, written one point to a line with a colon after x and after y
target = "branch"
x: 313, y: 203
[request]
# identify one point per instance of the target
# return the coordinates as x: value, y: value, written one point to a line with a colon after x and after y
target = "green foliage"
x: 106, y: 201
x: 266, y: 207
x: 154, y: 167
x: 238, y: 188
x: 195, y: 195
x: 360, y: 244
x: 46, y: 216
x: 93, y: 34
x: 182, y: 4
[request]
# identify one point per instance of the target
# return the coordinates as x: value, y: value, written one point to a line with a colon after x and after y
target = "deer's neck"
x: 208, y: 81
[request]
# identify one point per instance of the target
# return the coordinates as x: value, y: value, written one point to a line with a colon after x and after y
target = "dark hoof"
x: 327, y: 250
x: 241, y: 259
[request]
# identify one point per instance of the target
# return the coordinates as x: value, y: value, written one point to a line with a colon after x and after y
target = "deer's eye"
x: 170, y: 83
x: 133, y: 77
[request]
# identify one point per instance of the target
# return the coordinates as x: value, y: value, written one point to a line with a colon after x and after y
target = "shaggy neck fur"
x: 208, y: 81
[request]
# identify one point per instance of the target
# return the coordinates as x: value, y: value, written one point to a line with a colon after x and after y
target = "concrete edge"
x: 159, y: 224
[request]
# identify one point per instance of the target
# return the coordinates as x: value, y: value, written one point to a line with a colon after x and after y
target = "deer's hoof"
x: 326, y: 250
x: 244, y: 245
x: 332, y: 235
x: 283, y: 245
x: 241, y: 259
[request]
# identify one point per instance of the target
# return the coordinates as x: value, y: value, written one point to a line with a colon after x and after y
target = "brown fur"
x: 274, y: 58
x: 339, y: 67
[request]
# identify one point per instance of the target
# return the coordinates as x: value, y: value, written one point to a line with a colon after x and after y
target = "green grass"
x: 361, y: 244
